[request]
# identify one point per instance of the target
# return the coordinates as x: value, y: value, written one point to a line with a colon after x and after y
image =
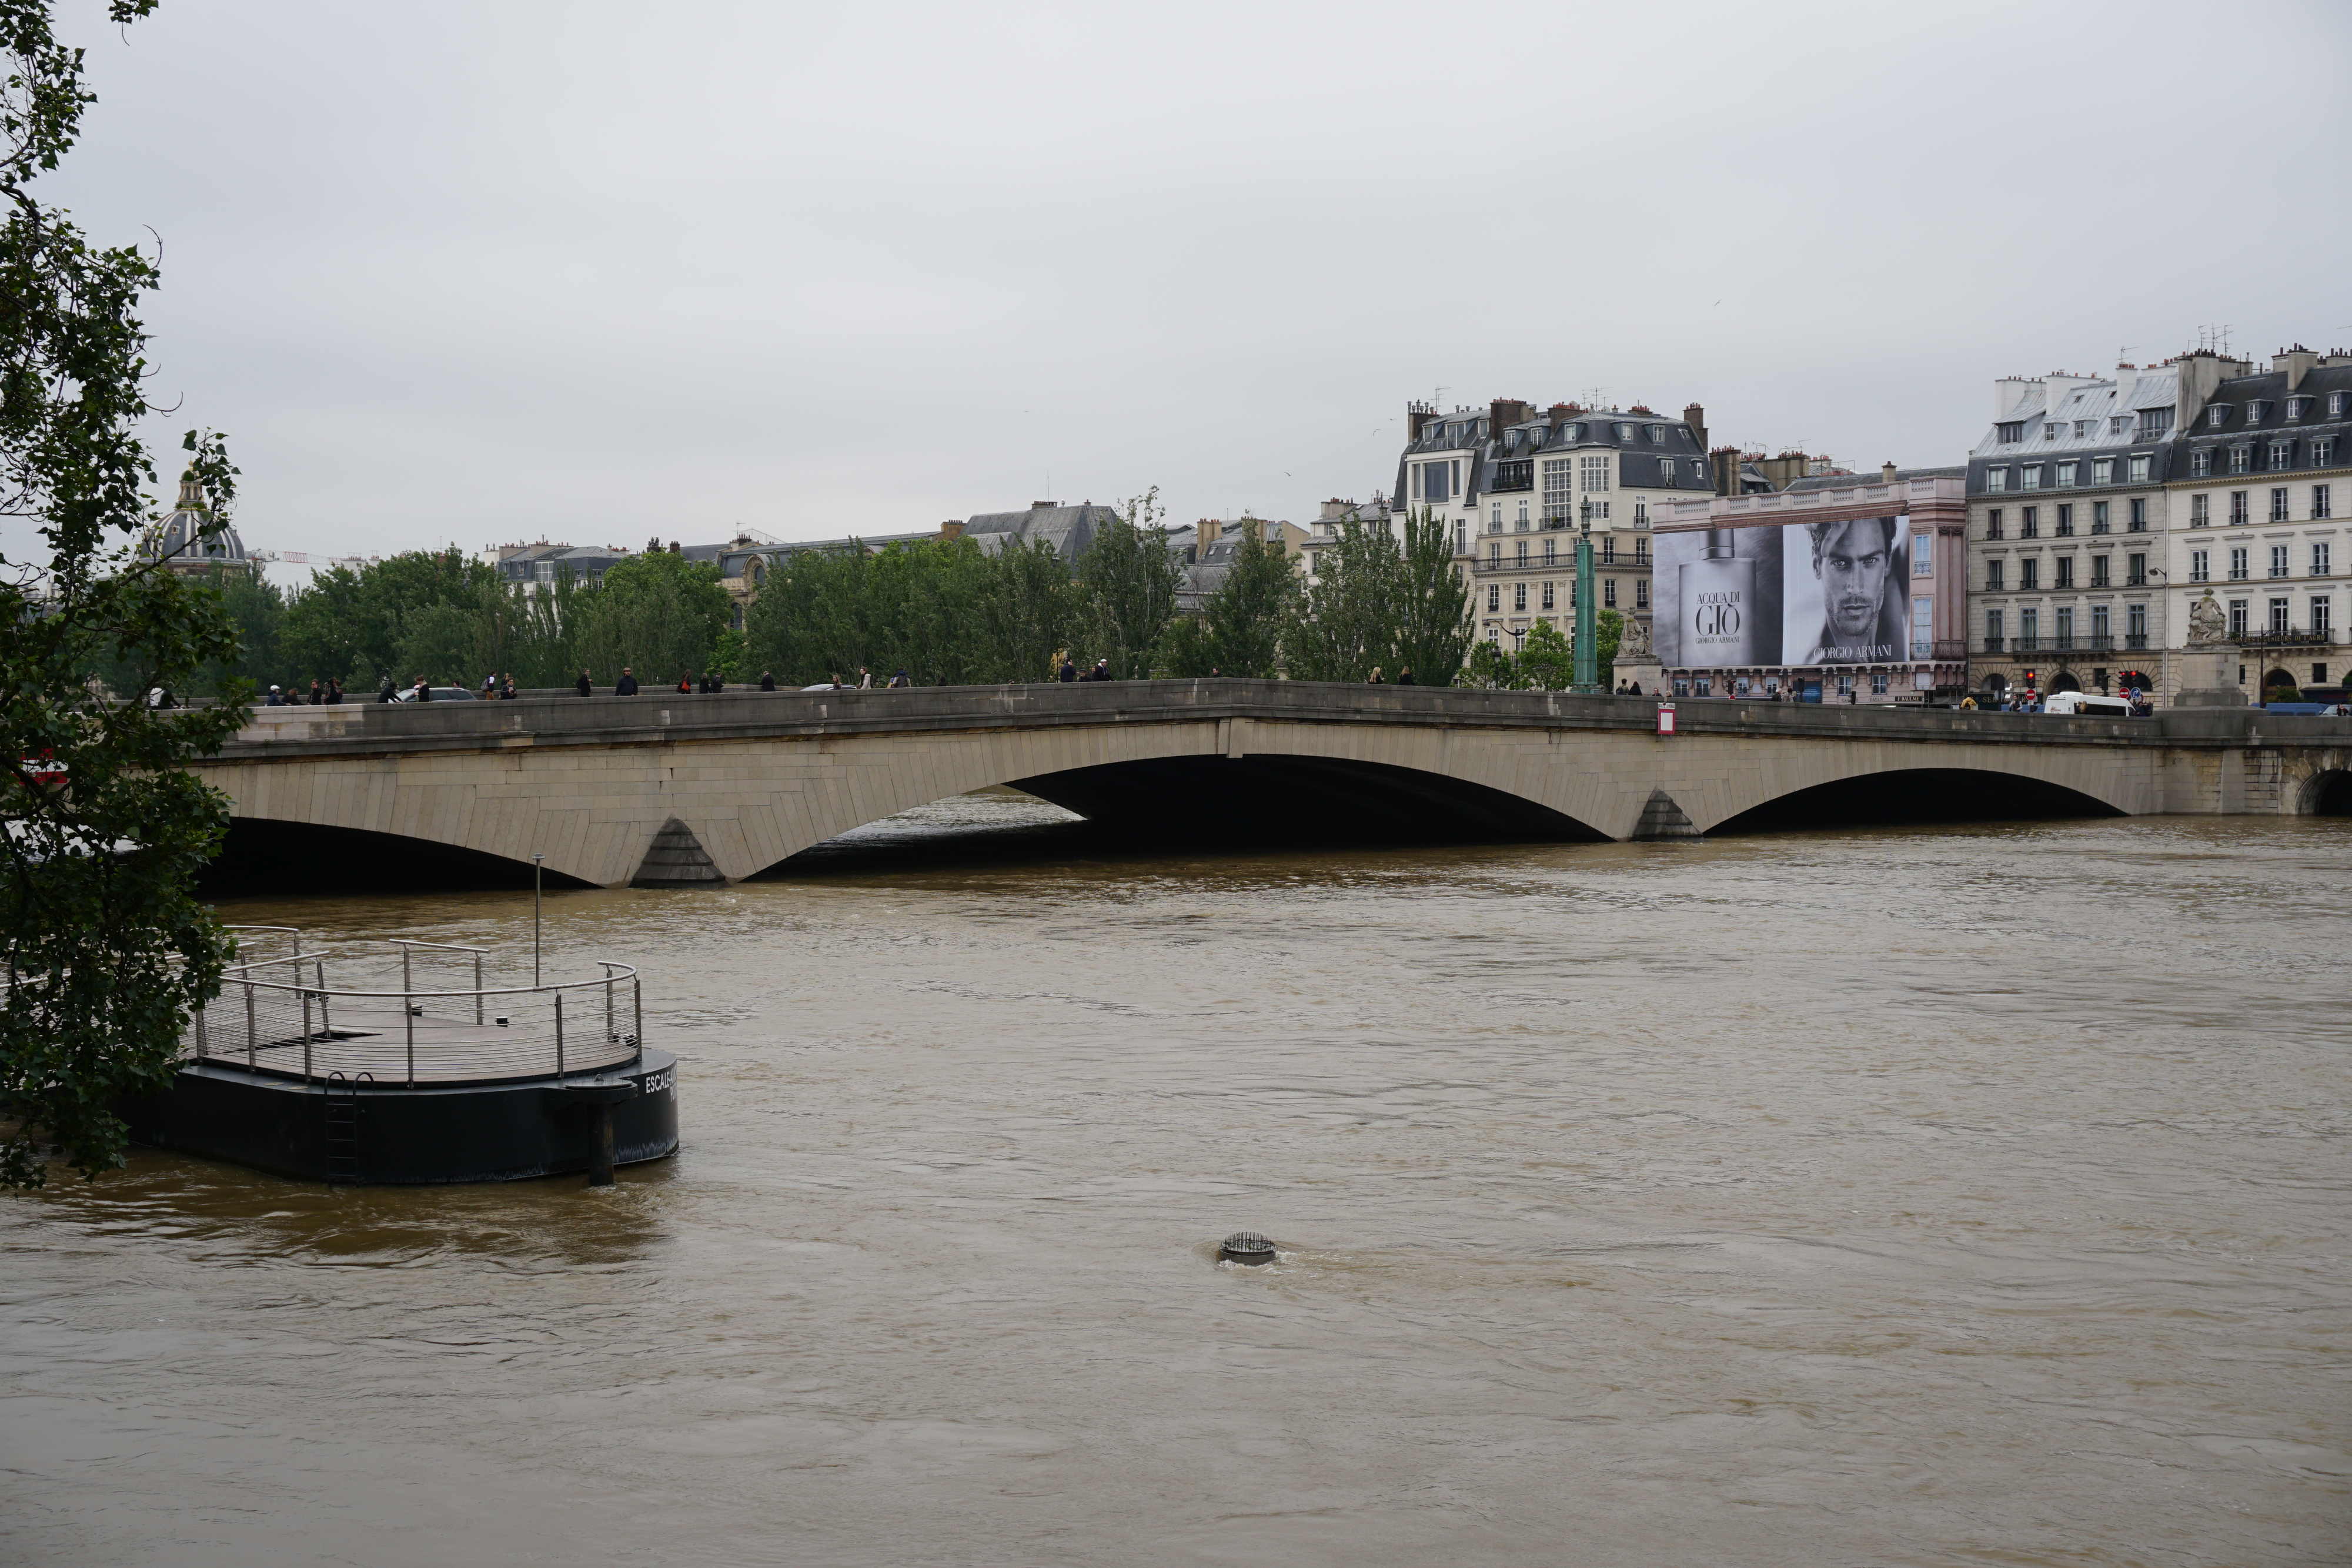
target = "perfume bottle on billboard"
x: 1719, y: 603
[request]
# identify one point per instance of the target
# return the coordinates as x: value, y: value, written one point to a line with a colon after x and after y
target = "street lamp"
x: 1588, y: 646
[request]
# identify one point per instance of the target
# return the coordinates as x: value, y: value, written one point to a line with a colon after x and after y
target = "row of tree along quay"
x: 102, y: 824
x: 945, y: 610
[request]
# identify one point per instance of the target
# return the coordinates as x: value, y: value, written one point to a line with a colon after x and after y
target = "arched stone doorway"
x: 2277, y: 678
x: 2063, y: 681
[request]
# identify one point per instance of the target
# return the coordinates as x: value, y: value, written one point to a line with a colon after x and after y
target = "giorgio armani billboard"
x: 1796, y: 595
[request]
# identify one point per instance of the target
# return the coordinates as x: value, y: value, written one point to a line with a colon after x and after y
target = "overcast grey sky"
x: 503, y: 270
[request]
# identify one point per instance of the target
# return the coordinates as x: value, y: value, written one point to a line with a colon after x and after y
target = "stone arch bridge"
x: 668, y: 790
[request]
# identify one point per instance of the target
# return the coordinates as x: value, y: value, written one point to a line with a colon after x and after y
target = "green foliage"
x: 389, y: 619
x: 108, y: 946
x: 1028, y: 610
x: 1489, y: 666
x: 1339, y: 628
x: 1245, y: 617
x: 1547, y: 660
x: 945, y: 610
x: 1431, y: 604
x: 1184, y: 653
x: 1608, y: 632
x: 257, y: 607
x: 1127, y: 588
x: 658, y: 614
x: 1380, y: 603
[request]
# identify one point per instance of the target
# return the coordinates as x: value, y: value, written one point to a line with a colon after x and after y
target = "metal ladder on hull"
x: 341, y: 1107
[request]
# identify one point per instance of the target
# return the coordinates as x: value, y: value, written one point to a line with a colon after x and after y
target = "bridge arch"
x: 2327, y: 793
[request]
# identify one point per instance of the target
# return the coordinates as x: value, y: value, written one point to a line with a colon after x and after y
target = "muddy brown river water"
x: 1966, y: 1195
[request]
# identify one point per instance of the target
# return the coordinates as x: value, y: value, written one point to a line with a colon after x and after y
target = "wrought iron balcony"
x: 2289, y: 637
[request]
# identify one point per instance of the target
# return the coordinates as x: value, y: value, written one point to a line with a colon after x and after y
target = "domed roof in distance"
x: 180, y: 542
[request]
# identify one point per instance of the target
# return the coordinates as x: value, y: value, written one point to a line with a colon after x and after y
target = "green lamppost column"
x: 1588, y: 634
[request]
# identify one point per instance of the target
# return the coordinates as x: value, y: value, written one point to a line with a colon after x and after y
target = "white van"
x: 2087, y: 702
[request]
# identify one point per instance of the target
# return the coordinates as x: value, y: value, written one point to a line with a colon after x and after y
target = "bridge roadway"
x: 755, y: 776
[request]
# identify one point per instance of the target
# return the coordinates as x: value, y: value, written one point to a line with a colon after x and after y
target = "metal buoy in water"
x: 1246, y: 1247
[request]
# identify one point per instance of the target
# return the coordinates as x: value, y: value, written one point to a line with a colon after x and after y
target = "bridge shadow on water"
x: 1184, y: 807
x: 1916, y: 796
x: 263, y: 856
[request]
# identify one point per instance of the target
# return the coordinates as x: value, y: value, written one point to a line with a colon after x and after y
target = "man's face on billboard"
x: 1852, y: 563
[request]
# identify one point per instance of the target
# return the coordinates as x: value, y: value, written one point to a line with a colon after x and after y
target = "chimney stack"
x: 2294, y: 365
x: 1695, y: 417
x: 1886, y: 473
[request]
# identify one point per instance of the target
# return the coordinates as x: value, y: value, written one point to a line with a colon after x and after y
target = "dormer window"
x: 2296, y: 407
x: 2115, y: 425
x: 2083, y: 427
x: 2011, y: 434
x: 2336, y: 405
x: 2217, y: 416
x: 1658, y: 434
x: 2152, y: 421
x: 2052, y: 429
x: 1624, y: 433
x: 2255, y: 411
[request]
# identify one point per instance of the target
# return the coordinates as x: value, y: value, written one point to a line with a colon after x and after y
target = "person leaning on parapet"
x: 1377, y: 680
x: 767, y: 680
x: 864, y: 679
x: 273, y: 699
x: 1069, y: 670
x: 626, y: 686
x: 390, y: 694
x: 583, y: 685
x: 1405, y: 676
x: 1861, y: 618
x: 423, y: 691
x: 900, y: 679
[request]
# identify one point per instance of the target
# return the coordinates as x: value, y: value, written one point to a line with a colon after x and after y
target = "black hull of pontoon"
x: 506, y: 1130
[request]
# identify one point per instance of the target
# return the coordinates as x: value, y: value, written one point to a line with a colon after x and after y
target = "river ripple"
x: 1951, y: 1196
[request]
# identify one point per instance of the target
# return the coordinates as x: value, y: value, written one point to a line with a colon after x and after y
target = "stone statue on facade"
x: 2206, y: 625
x: 1634, y: 641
